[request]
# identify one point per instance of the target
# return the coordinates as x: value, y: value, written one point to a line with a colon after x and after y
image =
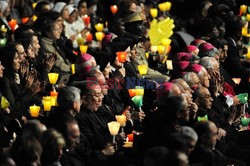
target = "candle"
x: 147, y: 54
x: 244, y: 31
x: 53, y: 77
x: 89, y: 37
x: 236, y: 80
x: 160, y: 49
x: 4, y: 103
x: 3, y: 42
x: 34, y: 18
x: 34, y: 111
x: 86, y: 20
x: 162, y: 7
x: 99, y: 27
x: 143, y: 69
x: 53, y: 93
x: 132, y: 92
x: 113, y: 9
x: 83, y: 48
x: 244, y: 121
x: 248, y: 17
x: 73, y: 68
x: 139, y: 90
x: 121, y: 119
x: 204, y: 118
x: 47, y: 103
x: 137, y: 101
x: 13, y: 24
x: 243, y: 8
x: 248, y: 52
x: 166, y: 42
x: 168, y: 49
x: 130, y: 137
x: 113, y: 129
x: 153, y: 49
x: 24, y: 20
x: 99, y: 36
x: 80, y: 40
x: 154, y: 12
x: 169, y: 65
x: 243, y: 97
x: 168, y: 5
x: 121, y: 56
x: 54, y: 101
x: 3, y: 28
x: 34, y: 5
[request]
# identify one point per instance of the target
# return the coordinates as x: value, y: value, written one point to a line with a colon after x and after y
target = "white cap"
x: 59, y: 7
x: 71, y: 8
x: 3, y: 5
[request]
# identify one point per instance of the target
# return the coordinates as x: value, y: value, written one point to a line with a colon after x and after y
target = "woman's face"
x: 83, y: 9
x: 59, y: 21
x: 55, y: 31
x: 16, y: 62
x: 73, y: 17
x: 65, y: 13
x: 30, y: 52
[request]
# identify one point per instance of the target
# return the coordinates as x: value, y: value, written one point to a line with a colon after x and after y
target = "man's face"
x: 21, y: 52
x: 1, y: 70
x: 185, y: 88
x: 176, y: 90
x: 204, y: 78
x: 74, y: 134
x: 94, y: 99
x: 102, y: 82
x: 36, y: 46
x: 223, y: 53
x: 184, y: 114
x: 205, y: 99
x: 191, y: 145
x: 195, y: 81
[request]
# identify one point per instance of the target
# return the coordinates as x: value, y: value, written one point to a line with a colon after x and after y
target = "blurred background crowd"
x: 124, y: 82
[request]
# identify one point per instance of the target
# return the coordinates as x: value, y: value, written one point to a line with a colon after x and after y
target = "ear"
x: 74, y: 104
x: 197, y: 101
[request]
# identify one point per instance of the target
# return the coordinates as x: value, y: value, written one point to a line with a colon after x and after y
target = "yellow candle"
x: 99, y: 27
x: 243, y: 8
x: 99, y: 36
x: 53, y: 77
x: 34, y: 111
x: 169, y: 65
x: 114, y: 127
x: 3, y: 28
x: 34, y: 5
x: 54, y: 101
x: 34, y: 17
x: 248, y: 53
x: 147, y: 54
x: 166, y: 42
x: 47, y: 103
x: 168, y: 5
x: 143, y: 69
x: 248, y: 17
x: 154, y: 12
x: 162, y: 7
x: 244, y: 31
x: 80, y: 40
x: 161, y: 49
x: 153, y: 49
x: 83, y: 48
x: 139, y: 91
x: 73, y: 68
x: 121, y: 119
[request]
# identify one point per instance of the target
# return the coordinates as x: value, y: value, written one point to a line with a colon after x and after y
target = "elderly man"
x: 192, y: 80
x: 90, y: 124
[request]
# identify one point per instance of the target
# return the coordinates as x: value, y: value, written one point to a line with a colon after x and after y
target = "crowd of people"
x: 193, y: 98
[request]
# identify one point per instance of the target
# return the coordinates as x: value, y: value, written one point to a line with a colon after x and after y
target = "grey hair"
x: 208, y: 62
x: 189, y: 132
x: 67, y: 96
x: 188, y: 77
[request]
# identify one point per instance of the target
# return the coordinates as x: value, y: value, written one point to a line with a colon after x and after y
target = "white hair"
x: 208, y: 62
x: 189, y: 132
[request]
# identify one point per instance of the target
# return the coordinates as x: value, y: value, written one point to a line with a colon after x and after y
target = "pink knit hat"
x: 182, y: 65
x: 191, y: 48
x: 83, y: 58
x: 195, y: 68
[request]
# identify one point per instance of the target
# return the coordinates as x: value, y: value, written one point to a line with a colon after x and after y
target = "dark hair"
x: 51, y: 15
x: 218, y: 42
x: 202, y: 128
x: 205, y: 26
x: 27, y: 41
x: 156, y: 156
x: 32, y: 129
x: 7, y: 56
x: 80, y: 3
x: 39, y: 7
x: 21, y: 31
x: 47, y: 27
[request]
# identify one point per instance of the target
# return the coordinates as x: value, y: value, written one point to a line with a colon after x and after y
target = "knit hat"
x: 59, y: 7
x: 182, y: 65
x: 195, y: 68
x: 83, y: 58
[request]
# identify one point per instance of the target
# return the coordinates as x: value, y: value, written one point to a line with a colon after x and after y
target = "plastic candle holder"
x: 139, y: 90
x: 73, y: 68
x: 121, y: 119
x: 89, y: 37
x: 4, y: 103
x: 34, y: 111
x: 154, y: 12
x: 243, y: 8
x: 83, y: 48
x: 168, y: 5
x: 161, y: 49
x: 243, y: 97
x: 137, y: 101
x: 236, y: 80
x: 47, y: 103
x: 166, y: 42
x: 113, y: 9
x: 13, y: 24
x: 99, y: 36
x: 34, y: 18
x: 3, y: 29
x: 114, y: 129
x: 86, y: 20
x: 143, y: 69
x: 248, y: 17
x: 121, y: 56
x: 130, y: 137
x: 25, y: 19
x: 53, y: 77
x: 132, y: 92
x: 80, y: 40
x: 169, y: 65
x: 244, y: 121
x: 99, y: 27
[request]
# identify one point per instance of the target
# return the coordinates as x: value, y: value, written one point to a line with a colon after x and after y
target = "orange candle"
x: 53, y: 93
x: 130, y: 137
x: 132, y: 92
x: 13, y: 24
x: 86, y: 20
x: 121, y: 56
x: 114, y: 9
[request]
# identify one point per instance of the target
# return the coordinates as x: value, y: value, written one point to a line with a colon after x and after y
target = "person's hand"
x: 35, y: 87
x: 221, y: 133
x: 72, y: 37
x: 49, y: 62
x: 24, y: 68
x: 236, y: 100
x: 127, y: 113
x: 193, y: 108
x: 139, y: 116
x: 109, y: 150
x: 29, y: 79
x: 120, y: 73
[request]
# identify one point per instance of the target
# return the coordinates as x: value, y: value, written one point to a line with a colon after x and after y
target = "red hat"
x: 83, y: 58
x: 195, y: 68
x: 191, y: 48
x: 207, y: 46
x: 197, y: 42
x: 182, y: 65
x: 186, y: 57
x: 180, y: 55
x: 163, y: 90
